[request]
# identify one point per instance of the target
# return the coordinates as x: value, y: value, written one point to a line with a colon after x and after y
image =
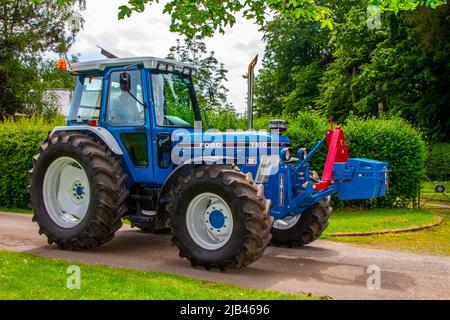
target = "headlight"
x: 285, y: 154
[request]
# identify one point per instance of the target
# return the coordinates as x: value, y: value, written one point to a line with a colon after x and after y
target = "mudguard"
x: 99, y: 132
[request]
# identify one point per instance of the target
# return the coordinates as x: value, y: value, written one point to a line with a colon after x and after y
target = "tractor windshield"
x: 174, y: 100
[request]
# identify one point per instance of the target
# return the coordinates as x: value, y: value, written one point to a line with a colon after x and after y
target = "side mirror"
x: 125, y: 81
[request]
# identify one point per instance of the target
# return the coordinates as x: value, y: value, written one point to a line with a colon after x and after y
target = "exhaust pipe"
x: 251, y: 78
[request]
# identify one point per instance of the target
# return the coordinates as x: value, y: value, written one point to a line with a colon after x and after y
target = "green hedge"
x: 392, y: 140
x: 396, y: 142
x: 437, y: 164
x: 19, y: 142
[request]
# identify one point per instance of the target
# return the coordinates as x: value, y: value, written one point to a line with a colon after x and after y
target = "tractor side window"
x: 172, y: 100
x: 136, y: 144
x: 123, y: 109
x: 87, y: 98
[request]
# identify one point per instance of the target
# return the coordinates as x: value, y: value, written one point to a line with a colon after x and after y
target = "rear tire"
x: 241, y: 228
x: 304, y: 230
x: 102, y: 179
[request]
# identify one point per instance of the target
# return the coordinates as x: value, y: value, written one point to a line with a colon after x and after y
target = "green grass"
x: 377, y: 220
x: 428, y: 191
x: 434, y: 241
x: 27, y: 276
x: 16, y: 210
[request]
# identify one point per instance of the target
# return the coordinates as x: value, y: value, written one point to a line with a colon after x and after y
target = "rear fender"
x: 98, y: 132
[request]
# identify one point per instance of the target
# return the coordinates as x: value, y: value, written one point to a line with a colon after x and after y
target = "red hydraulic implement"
x: 337, y: 152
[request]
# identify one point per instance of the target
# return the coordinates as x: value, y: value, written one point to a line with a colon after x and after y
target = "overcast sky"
x: 147, y: 34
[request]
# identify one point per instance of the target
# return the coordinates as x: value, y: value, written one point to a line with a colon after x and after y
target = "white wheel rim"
x: 209, y: 221
x: 66, y: 192
x: 286, y: 223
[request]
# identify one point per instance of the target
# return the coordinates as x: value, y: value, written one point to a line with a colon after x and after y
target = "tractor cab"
x: 140, y: 102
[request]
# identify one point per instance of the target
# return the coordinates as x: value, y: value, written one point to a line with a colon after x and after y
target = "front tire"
x: 219, y: 218
x: 77, y: 191
x: 303, y: 229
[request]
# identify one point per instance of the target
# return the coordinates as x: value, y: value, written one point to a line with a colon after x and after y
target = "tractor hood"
x: 248, y: 146
x: 235, y: 139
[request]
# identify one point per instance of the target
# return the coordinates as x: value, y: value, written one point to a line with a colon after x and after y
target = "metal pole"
x: 251, y: 78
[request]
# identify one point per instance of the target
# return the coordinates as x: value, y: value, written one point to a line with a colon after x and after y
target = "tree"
x: 27, y: 31
x: 411, y: 71
x: 204, y: 17
x: 290, y: 49
x: 353, y: 44
x: 296, y: 56
x: 401, y: 69
x: 211, y: 74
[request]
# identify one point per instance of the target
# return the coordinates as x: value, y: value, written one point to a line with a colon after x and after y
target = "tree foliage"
x: 27, y: 31
x: 401, y: 68
x: 204, y: 17
x: 291, y: 49
x: 438, y: 162
x: 211, y: 74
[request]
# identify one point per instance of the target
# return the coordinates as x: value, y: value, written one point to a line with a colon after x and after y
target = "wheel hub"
x: 209, y: 221
x: 78, y: 191
x: 216, y: 219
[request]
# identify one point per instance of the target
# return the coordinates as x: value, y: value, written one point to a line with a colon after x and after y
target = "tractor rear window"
x: 86, y: 99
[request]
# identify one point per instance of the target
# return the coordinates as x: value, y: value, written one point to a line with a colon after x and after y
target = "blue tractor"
x: 135, y: 147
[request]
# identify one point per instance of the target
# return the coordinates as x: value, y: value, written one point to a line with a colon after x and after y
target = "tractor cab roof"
x: 147, y: 62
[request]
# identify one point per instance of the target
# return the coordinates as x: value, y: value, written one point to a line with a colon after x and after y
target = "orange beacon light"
x: 61, y: 64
